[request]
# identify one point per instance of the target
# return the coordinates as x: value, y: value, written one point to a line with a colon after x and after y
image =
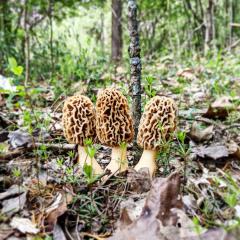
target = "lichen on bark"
x: 135, y: 64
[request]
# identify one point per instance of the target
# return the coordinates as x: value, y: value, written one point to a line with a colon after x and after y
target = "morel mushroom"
x: 157, y: 125
x: 79, y: 124
x: 114, y: 126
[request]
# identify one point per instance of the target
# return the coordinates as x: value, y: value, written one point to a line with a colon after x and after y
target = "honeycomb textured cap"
x: 114, y: 122
x: 157, y: 122
x: 79, y: 119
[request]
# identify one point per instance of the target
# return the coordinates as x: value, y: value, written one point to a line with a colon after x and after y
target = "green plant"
x: 87, y: 169
x: 148, y: 87
x: 60, y: 162
x: 16, y: 172
x: 197, y: 226
x: 14, y: 67
x: 183, y: 150
x: 165, y: 150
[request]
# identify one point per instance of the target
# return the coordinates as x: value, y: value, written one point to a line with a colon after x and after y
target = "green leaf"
x: 12, y: 63
x: 13, y: 66
x: 88, y: 171
x: 17, y: 70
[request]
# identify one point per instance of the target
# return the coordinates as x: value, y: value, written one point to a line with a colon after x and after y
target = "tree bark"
x: 51, y: 8
x: 209, y: 23
x: 135, y: 64
x: 230, y: 22
x: 26, y: 44
x: 6, y: 29
x: 116, y: 30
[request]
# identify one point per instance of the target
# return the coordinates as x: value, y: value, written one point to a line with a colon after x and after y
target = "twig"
x: 92, y: 236
x: 57, y: 146
x: 10, y: 155
x: 76, y: 230
x: 236, y: 125
x: 20, y: 151
x: 66, y: 230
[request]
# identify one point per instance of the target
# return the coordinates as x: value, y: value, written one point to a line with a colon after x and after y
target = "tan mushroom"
x: 79, y: 124
x: 157, y: 125
x: 114, y: 126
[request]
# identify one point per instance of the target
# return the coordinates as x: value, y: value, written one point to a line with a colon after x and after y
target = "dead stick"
x: 18, y: 152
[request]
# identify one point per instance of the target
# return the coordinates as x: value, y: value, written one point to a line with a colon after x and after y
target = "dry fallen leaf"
x: 234, y: 149
x: 214, y: 152
x: 188, y: 74
x: 19, y: 138
x: 220, y: 108
x: 57, y: 208
x: 162, y: 198
x: 162, y: 217
x: 24, y: 225
x: 199, y: 135
x: 13, y: 205
x: 5, y: 231
x: 13, y: 190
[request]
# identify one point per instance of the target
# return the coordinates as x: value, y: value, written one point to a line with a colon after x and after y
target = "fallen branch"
x: 20, y: 151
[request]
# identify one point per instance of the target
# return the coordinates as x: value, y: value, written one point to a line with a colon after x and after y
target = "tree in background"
x: 117, y: 42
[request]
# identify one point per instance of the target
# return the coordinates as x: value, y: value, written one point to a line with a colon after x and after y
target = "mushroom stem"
x: 148, y: 160
x: 83, y: 158
x: 119, y: 161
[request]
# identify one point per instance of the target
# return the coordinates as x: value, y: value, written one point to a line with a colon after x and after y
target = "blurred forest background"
x: 63, y: 42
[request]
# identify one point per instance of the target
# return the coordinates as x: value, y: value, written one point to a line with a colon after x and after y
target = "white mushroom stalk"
x: 79, y: 124
x: 114, y: 126
x: 118, y: 159
x: 157, y: 125
x: 148, y: 160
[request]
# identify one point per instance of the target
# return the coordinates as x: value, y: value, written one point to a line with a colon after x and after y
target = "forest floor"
x: 43, y: 192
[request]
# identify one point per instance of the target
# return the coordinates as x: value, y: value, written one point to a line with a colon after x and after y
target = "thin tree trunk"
x: 26, y: 44
x: 209, y: 23
x: 102, y: 32
x: 116, y: 30
x: 6, y: 30
x: 51, y: 8
x: 230, y: 22
x: 135, y: 64
x: 198, y: 20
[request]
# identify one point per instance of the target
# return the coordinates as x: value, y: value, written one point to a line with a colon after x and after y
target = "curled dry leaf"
x: 234, y: 149
x: 162, y: 198
x: 57, y: 208
x: 219, y: 152
x: 214, y: 152
x: 162, y: 217
x: 19, y: 138
x: 24, y: 225
x: 198, y: 134
x: 220, y: 108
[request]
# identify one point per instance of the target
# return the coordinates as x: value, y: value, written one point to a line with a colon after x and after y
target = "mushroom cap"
x: 157, y: 122
x: 114, y: 122
x: 79, y: 119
